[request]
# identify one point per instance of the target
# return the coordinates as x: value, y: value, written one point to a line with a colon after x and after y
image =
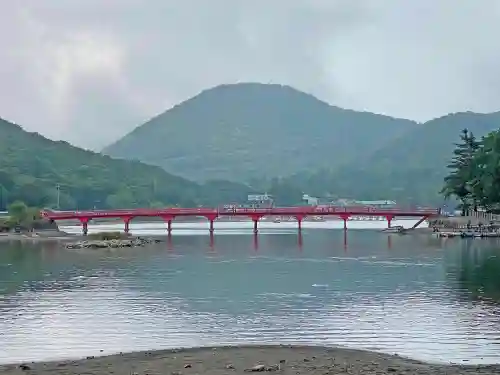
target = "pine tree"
x: 486, y: 172
x: 461, y: 178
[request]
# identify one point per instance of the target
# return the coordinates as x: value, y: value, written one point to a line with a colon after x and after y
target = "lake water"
x: 417, y: 296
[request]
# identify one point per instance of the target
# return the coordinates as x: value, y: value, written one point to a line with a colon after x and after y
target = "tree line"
x: 474, y: 172
x: 22, y: 216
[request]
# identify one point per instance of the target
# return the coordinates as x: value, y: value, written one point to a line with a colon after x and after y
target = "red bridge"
x: 211, y: 214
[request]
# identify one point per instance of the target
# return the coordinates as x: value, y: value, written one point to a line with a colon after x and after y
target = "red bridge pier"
x: 211, y: 219
x: 299, y: 222
x: 126, y: 220
x: 85, y: 225
x: 345, y: 218
x: 255, y: 219
x: 389, y: 220
x: 168, y: 219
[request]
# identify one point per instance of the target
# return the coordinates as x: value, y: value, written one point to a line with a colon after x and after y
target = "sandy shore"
x: 243, y: 360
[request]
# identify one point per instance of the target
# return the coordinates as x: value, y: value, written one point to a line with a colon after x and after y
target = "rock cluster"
x: 104, y: 244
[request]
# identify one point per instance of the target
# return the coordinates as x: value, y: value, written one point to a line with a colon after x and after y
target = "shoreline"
x: 59, y: 236
x: 235, y: 360
x: 64, y: 237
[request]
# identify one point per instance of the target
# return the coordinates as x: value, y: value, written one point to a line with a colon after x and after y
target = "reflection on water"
x: 477, y: 270
x: 418, y: 297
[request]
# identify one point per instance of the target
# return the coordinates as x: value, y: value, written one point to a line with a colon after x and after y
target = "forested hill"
x: 410, y: 168
x: 249, y: 130
x: 31, y: 167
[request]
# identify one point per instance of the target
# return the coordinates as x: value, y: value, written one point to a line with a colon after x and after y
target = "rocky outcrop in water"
x: 115, y: 243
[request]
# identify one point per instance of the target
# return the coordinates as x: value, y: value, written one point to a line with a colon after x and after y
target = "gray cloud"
x: 72, y: 69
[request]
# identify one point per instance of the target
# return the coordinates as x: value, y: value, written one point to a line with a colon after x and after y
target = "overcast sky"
x: 71, y: 69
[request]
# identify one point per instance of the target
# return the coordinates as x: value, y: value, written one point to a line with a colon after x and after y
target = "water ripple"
x: 421, y: 303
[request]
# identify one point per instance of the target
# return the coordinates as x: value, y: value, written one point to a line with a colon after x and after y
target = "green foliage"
x: 285, y: 194
x: 474, y: 176
x: 409, y: 169
x: 284, y: 141
x: 107, y: 236
x: 244, y: 131
x: 484, y: 178
x: 458, y: 182
x: 18, y: 211
x: 20, y: 215
x: 31, y: 168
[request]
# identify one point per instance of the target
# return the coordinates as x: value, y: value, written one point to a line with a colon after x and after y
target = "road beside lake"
x: 244, y: 360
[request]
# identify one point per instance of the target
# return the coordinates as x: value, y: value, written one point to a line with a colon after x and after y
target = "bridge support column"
x: 168, y: 219
x: 126, y: 220
x: 85, y: 225
x: 389, y: 220
x: 299, y: 222
x: 420, y: 221
x: 255, y: 219
x: 211, y: 219
x: 345, y: 218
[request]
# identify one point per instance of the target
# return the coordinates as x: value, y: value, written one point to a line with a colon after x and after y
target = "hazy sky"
x: 72, y: 68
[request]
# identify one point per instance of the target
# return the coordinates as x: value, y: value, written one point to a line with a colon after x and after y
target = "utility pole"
x: 58, y: 188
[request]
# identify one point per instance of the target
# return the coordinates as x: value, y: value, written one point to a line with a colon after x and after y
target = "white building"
x: 312, y: 201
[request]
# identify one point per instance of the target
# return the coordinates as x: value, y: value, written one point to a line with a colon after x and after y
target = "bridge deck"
x: 212, y: 213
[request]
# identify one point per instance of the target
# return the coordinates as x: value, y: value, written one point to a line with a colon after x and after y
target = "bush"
x: 107, y: 236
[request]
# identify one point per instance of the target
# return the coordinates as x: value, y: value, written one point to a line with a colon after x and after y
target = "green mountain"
x: 408, y: 169
x: 33, y: 168
x: 287, y: 142
x: 244, y: 131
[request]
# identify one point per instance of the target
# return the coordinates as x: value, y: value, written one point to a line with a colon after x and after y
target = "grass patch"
x: 107, y: 236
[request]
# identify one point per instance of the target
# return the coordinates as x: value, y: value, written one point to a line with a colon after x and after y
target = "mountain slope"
x: 244, y: 131
x: 31, y: 166
x: 410, y: 168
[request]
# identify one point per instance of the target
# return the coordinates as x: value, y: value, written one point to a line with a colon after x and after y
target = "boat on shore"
x: 395, y: 229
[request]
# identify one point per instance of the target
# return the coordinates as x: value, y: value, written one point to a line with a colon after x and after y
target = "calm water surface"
x: 413, y: 295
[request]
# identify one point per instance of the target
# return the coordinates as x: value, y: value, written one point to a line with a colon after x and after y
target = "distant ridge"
x: 43, y: 173
x: 252, y: 130
x: 409, y: 168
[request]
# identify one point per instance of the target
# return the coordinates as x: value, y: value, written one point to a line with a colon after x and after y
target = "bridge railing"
x: 304, y: 210
x: 130, y: 212
x: 311, y: 210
